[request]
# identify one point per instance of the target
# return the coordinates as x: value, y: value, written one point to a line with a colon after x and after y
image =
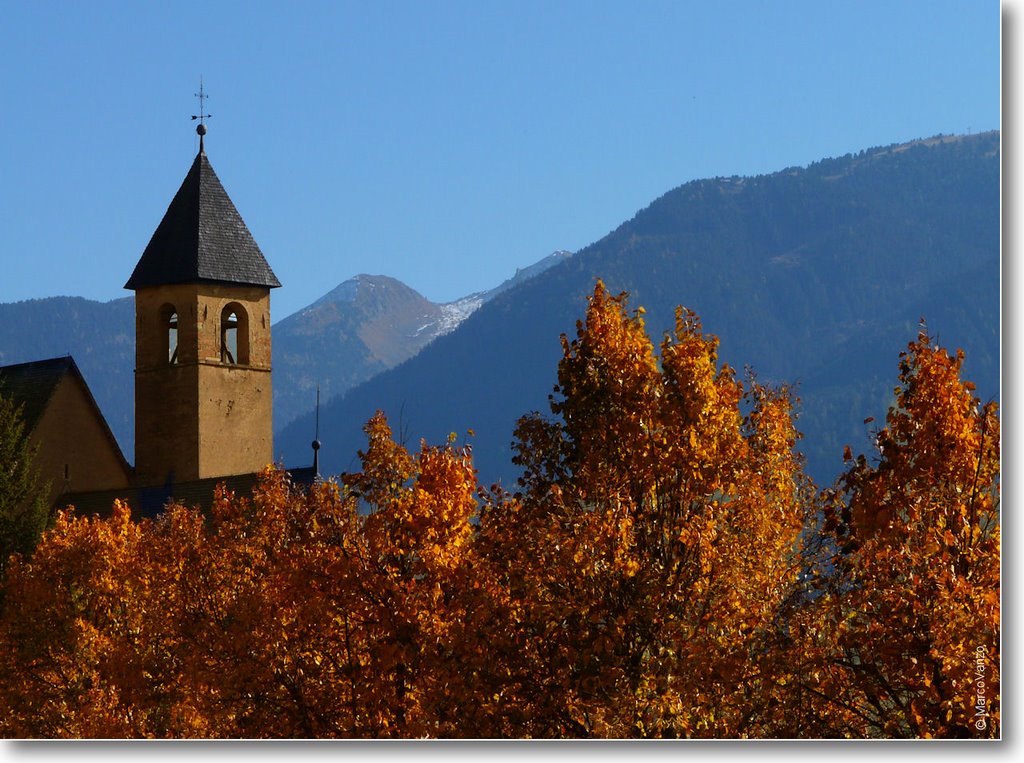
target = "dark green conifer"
x: 23, y: 507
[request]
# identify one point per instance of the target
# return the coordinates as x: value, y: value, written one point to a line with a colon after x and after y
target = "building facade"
x: 203, y: 394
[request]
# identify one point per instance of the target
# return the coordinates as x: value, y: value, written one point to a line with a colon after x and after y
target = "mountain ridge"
x: 367, y: 324
x: 362, y: 327
x: 783, y: 267
x: 803, y: 273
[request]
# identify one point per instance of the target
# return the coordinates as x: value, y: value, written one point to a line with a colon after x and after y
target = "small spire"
x: 316, y: 441
x: 201, y: 116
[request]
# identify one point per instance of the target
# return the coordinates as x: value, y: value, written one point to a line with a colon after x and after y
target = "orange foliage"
x: 902, y: 637
x: 665, y: 569
x: 669, y: 524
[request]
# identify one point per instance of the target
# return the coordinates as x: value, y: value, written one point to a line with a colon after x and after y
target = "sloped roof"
x: 202, y: 238
x: 31, y: 385
x: 150, y: 502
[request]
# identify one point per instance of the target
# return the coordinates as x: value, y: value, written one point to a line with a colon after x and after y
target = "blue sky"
x: 443, y: 143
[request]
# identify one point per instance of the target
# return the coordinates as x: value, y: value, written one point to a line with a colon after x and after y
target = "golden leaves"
x: 665, y: 569
x: 919, y: 540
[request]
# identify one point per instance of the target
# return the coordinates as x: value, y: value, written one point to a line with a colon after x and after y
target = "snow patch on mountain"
x: 454, y: 313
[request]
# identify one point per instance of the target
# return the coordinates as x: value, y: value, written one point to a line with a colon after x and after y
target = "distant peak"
x: 344, y: 292
x: 360, y: 286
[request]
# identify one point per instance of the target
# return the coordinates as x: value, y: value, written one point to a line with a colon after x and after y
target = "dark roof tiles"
x: 150, y: 502
x: 32, y: 384
x: 202, y: 238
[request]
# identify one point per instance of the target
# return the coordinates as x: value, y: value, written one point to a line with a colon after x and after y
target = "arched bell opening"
x: 234, y: 335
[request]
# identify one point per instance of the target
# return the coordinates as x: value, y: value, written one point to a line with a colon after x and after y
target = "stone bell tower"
x: 202, y: 340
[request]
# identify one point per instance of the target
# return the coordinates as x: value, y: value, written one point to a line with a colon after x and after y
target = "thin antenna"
x: 201, y: 116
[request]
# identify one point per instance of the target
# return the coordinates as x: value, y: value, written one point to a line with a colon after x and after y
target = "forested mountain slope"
x: 813, y: 276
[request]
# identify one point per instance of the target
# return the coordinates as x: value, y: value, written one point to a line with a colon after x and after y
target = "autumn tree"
x: 411, y: 549
x: 261, y: 639
x: 664, y: 569
x: 69, y: 611
x: 659, y: 516
x: 900, y: 637
x: 289, y: 613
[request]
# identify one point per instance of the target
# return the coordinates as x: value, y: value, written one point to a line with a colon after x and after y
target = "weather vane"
x: 201, y: 116
x: 202, y: 96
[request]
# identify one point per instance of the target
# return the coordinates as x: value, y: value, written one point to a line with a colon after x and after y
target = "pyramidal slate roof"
x: 202, y: 238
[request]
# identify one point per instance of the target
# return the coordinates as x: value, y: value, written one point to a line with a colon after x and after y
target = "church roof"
x: 32, y: 384
x: 202, y: 238
x: 150, y: 502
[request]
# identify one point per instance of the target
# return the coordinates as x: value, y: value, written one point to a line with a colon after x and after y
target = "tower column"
x: 203, y: 396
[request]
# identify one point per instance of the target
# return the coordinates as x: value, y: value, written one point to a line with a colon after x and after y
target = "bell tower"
x: 202, y: 339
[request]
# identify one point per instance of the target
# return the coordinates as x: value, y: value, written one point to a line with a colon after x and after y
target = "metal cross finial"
x: 201, y: 128
x: 202, y: 96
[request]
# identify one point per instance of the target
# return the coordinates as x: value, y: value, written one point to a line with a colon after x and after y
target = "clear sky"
x: 443, y: 143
